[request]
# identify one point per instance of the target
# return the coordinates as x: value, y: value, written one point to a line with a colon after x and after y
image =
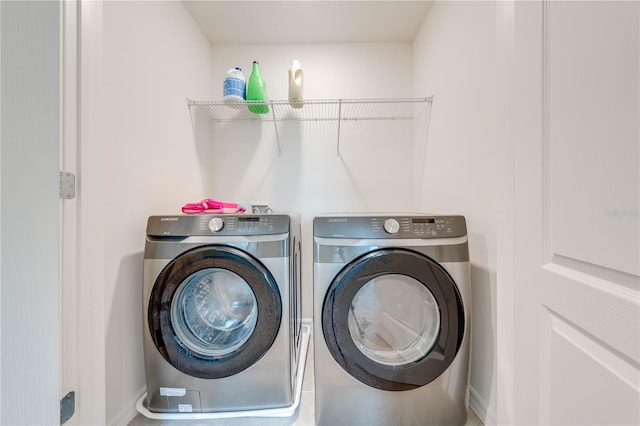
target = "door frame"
x: 83, y: 332
x: 501, y: 410
x: 68, y: 207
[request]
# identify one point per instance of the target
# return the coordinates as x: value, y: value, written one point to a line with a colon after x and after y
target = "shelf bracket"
x: 339, y: 121
x: 275, y: 126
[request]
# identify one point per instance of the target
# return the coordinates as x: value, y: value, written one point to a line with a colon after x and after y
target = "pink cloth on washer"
x: 210, y: 206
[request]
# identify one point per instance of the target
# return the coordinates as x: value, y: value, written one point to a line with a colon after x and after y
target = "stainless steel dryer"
x: 221, y: 304
x: 391, y: 320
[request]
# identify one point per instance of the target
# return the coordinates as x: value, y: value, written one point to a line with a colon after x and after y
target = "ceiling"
x: 307, y: 21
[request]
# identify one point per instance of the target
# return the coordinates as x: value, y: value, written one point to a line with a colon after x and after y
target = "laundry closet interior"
x: 161, y: 151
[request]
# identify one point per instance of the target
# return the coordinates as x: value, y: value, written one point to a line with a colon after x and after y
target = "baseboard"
x: 128, y: 413
x: 481, y: 408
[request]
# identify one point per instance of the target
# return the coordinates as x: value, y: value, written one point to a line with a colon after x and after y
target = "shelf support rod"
x: 275, y: 126
x: 339, y: 121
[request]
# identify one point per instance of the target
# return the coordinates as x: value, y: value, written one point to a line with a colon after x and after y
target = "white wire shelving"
x: 313, y: 110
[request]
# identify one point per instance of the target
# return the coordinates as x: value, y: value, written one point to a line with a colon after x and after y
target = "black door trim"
x: 257, y: 277
x: 352, y: 278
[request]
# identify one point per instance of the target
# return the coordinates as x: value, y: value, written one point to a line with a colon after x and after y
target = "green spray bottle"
x: 257, y: 91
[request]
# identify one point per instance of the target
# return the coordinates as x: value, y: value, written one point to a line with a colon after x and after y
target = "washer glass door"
x: 214, y: 312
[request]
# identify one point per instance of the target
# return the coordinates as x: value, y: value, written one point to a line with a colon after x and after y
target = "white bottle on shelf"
x: 234, y: 87
x: 296, y: 78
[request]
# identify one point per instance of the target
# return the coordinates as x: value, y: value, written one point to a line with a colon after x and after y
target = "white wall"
x: 454, y: 57
x: 373, y: 172
x: 154, y: 57
x: 156, y: 161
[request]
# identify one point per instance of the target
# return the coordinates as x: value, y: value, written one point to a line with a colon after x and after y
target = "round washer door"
x: 393, y: 319
x: 214, y: 311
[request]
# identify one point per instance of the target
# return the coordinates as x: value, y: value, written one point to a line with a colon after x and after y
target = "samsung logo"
x: 169, y: 219
x: 338, y: 220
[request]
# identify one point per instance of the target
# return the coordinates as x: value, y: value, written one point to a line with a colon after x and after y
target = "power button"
x: 216, y: 224
x: 391, y: 226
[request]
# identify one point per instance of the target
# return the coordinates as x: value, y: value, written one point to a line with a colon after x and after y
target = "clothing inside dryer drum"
x: 214, y: 312
x: 394, y: 320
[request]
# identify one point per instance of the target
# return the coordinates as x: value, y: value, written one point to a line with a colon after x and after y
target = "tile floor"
x: 303, y: 417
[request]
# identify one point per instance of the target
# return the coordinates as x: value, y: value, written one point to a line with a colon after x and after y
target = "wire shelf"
x: 313, y: 110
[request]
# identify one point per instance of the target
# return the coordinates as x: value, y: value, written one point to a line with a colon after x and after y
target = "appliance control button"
x: 216, y: 224
x: 391, y: 226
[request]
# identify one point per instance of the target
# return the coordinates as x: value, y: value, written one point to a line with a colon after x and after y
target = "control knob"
x: 216, y: 224
x: 391, y: 226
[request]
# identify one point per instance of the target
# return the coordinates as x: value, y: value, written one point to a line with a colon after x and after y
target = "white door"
x: 30, y: 226
x: 573, y: 121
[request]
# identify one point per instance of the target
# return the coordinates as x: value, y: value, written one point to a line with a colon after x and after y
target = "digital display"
x: 426, y: 220
x: 249, y: 219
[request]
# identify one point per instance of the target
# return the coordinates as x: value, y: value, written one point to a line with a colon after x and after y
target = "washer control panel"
x: 225, y: 225
x: 392, y: 226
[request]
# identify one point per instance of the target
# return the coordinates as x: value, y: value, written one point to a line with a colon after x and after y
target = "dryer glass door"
x: 393, y: 319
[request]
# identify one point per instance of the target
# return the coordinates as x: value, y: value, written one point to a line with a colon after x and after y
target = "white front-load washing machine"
x: 391, y: 319
x: 221, y: 312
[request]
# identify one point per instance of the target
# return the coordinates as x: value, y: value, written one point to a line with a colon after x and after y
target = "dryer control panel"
x: 223, y: 225
x: 390, y: 226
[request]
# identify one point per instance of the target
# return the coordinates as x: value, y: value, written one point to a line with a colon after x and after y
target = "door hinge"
x: 67, y: 407
x: 67, y: 185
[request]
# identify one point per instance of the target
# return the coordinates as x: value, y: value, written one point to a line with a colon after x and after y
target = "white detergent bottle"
x: 234, y: 87
x: 296, y: 77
